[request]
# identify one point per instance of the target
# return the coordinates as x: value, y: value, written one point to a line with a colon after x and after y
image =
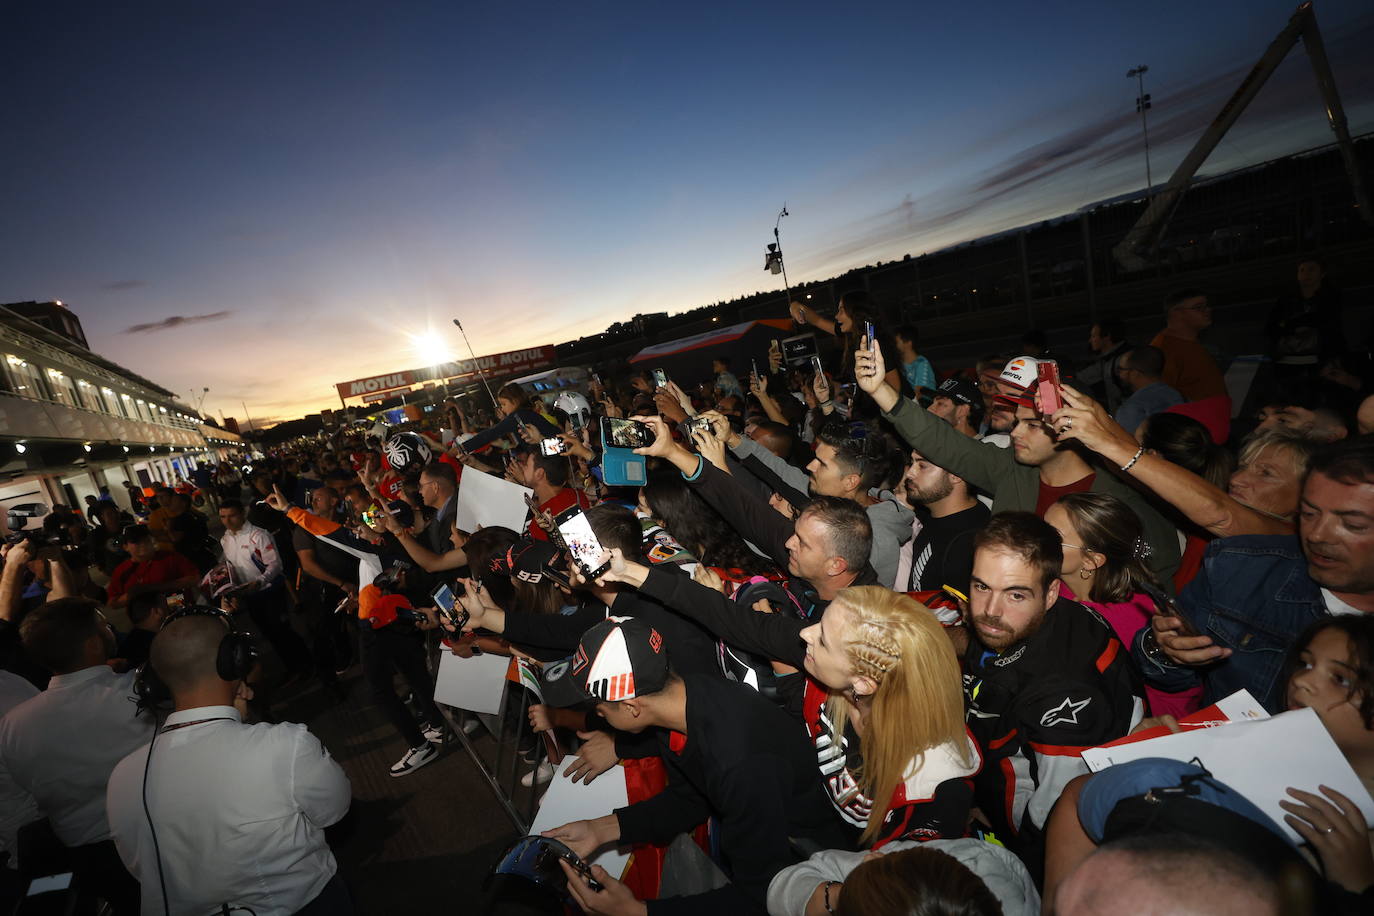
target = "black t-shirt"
x: 942, y: 553
x: 338, y: 563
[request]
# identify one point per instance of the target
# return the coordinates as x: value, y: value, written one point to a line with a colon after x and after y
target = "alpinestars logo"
x: 1065, y: 713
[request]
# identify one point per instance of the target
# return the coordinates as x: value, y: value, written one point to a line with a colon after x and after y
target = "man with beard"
x: 1044, y: 677
x: 1256, y: 593
x: 950, y: 517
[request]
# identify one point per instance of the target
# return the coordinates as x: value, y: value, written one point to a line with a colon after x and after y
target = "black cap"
x: 618, y: 659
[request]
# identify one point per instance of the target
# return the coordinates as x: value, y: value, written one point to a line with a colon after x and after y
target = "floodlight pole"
x: 475, y: 363
x: 782, y: 263
x: 1142, y: 105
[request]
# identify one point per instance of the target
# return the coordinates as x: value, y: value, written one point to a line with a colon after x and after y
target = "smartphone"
x: 697, y: 423
x: 581, y: 542
x: 816, y: 364
x: 552, y: 446
x: 870, y: 337
x: 1047, y: 383
x: 754, y: 368
x: 660, y: 379
x: 582, y: 868
x: 617, y: 433
x: 449, y: 608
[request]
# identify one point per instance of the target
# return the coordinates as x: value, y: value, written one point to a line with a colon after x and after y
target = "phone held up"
x: 446, y: 600
x: 618, y: 433
x: 870, y: 337
x: 552, y: 446
x: 660, y: 379
x: 1047, y: 386
x: 581, y: 542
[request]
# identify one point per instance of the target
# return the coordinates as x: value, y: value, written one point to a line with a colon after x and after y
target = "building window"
x: 63, y: 391
x: 88, y: 396
x: 24, y: 377
x: 111, y: 402
x: 127, y: 404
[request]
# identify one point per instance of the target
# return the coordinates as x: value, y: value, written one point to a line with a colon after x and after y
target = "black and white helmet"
x: 406, y: 452
x: 575, y: 405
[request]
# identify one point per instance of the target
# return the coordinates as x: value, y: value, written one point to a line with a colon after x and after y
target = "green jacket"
x: 1016, y: 486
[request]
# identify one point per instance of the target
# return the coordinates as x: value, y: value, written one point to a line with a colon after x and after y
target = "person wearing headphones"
x: 216, y: 815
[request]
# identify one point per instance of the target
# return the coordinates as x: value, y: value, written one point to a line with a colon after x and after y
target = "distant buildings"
x: 73, y: 423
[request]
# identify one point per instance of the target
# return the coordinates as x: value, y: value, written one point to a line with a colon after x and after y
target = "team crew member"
x: 220, y: 813
x: 60, y: 746
x: 1044, y: 678
x: 729, y: 752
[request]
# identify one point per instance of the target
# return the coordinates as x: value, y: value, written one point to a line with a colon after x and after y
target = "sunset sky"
x: 266, y: 198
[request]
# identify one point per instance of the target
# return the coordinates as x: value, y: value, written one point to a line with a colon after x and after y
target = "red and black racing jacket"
x: 1035, y: 707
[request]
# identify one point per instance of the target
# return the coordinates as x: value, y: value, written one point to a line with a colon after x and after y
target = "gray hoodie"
x: 890, y: 519
x: 1000, y: 870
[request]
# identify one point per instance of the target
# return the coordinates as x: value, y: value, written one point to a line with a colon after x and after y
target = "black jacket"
x: 746, y: 763
x: 1036, y: 706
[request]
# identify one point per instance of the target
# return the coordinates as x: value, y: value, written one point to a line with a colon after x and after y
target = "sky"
x: 267, y: 198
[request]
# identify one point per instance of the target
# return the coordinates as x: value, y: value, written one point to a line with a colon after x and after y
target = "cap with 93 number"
x: 618, y: 659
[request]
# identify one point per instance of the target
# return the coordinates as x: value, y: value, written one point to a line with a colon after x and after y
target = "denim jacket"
x: 1253, y: 596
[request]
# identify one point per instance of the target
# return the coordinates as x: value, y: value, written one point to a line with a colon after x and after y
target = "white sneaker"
x: 415, y: 758
x: 435, y: 734
x: 537, y: 776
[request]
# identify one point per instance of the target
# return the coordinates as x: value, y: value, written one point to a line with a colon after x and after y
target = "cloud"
x: 175, y: 321
x: 124, y: 284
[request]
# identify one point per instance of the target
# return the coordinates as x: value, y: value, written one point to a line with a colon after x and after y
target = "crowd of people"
x: 851, y: 631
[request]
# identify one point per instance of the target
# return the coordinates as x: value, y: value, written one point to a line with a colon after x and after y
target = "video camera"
x: 17, y: 516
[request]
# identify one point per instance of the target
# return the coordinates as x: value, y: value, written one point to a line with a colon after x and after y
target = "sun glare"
x: 430, y: 348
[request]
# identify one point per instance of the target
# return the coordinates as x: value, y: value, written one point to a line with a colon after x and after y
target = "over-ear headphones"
x: 233, y: 661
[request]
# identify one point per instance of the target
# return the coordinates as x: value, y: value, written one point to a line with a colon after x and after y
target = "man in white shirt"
x: 61, y: 745
x: 251, y: 552
x: 237, y: 811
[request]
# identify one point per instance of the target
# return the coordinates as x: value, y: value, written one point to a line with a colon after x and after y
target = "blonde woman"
x: 877, y: 670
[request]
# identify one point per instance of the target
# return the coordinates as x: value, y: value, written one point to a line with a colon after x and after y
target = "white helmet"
x: 576, y: 406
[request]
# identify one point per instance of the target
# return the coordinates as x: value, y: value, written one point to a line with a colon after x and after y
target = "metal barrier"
x: 495, y: 746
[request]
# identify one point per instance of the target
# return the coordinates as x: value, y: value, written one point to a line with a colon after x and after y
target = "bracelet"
x: 826, y: 901
x: 1134, y: 458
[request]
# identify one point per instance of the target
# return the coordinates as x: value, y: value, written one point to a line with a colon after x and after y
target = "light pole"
x: 1142, y: 105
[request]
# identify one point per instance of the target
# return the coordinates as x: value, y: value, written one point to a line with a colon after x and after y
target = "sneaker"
x: 537, y: 776
x: 435, y: 734
x: 470, y: 726
x: 415, y: 758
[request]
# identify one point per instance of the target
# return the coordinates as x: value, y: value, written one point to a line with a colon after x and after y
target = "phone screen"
x: 660, y: 378
x: 620, y: 433
x: 816, y: 364
x: 581, y: 542
x: 551, y: 446
x: 444, y: 599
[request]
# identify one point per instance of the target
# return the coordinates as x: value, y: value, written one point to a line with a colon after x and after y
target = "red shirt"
x: 561, y: 501
x: 165, y: 566
x: 1050, y: 495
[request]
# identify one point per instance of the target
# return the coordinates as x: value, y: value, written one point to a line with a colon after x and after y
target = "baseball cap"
x: 1021, y: 373
x: 526, y: 560
x: 960, y: 390
x: 618, y: 659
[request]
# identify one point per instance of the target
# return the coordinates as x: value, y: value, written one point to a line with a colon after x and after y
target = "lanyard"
x: 172, y: 728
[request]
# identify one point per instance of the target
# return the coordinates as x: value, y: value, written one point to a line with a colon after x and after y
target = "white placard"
x: 1258, y: 759
x: 566, y: 801
x: 475, y: 684
x: 488, y: 501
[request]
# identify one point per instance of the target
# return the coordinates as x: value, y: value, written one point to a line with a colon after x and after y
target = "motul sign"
x: 516, y: 362
x: 499, y: 365
x: 376, y: 383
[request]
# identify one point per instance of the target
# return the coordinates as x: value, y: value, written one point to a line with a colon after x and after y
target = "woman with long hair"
x: 692, y: 522
x: 1105, y: 569
x: 880, y: 674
